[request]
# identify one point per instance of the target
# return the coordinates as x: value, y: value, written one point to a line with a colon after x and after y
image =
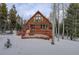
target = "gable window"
x: 44, y: 26
x: 38, y: 18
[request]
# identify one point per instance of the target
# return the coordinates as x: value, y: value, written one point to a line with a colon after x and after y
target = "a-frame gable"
x: 38, y: 12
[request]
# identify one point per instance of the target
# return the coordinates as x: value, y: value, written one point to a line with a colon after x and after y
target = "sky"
x: 26, y: 10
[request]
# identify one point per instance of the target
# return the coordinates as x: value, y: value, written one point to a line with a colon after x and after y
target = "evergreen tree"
x: 3, y: 16
x: 18, y: 27
x: 72, y: 20
x: 12, y: 17
x: 19, y: 20
x: 19, y: 23
x: 0, y: 16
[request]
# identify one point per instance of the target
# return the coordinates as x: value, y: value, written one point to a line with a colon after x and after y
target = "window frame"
x: 44, y: 26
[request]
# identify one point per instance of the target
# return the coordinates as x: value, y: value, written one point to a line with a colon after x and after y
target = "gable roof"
x: 38, y: 12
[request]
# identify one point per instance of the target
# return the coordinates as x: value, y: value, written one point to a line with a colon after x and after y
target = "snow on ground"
x: 37, y: 46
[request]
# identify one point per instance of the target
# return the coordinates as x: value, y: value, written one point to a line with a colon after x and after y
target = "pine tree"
x: 72, y: 20
x: 19, y: 23
x: 0, y: 16
x: 12, y: 17
x: 3, y: 16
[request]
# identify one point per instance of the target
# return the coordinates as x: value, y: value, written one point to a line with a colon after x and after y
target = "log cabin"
x: 38, y: 26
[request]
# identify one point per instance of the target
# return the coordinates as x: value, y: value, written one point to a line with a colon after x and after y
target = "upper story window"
x: 38, y: 18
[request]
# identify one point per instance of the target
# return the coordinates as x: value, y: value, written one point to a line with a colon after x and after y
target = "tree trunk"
x: 71, y: 37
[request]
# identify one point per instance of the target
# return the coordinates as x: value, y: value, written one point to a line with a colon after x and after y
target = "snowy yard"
x: 37, y: 46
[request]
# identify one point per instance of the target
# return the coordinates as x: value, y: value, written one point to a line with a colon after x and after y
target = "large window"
x: 38, y: 18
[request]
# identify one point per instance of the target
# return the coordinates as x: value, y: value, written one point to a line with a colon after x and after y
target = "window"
x: 38, y: 18
x: 44, y: 26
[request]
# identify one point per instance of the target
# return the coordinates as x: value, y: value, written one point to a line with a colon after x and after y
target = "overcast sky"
x: 26, y: 10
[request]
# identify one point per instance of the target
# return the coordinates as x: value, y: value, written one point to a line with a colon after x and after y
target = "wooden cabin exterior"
x: 38, y: 24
